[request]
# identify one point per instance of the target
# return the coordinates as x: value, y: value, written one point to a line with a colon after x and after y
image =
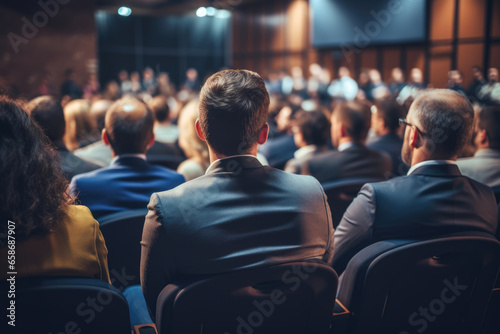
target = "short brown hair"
x: 489, y: 120
x: 159, y: 107
x: 355, y: 117
x: 233, y: 110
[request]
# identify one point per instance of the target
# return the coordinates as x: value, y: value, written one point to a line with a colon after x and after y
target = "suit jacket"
x: 391, y: 144
x: 73, y: 165
x: 279, y: 150
x: 484, y: 167
x: 355, y: 161
x: 295, y: 165
x: 433, y: 201
x: 125, y: 185
x: 100, y: 153
x: 240, y: 215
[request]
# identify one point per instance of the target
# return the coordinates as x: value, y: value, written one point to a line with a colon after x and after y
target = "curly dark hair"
x: 33, y: 190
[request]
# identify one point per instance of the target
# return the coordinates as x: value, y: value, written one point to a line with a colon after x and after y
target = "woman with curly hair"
x: 52, y: 237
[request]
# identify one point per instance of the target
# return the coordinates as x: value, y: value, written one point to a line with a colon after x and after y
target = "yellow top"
x: 74, y: 248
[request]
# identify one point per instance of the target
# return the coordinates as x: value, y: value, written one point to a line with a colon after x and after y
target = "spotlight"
x: 211, y: 11
x: 124, y: 11
x: 201, y: 12
x: 223, y: 14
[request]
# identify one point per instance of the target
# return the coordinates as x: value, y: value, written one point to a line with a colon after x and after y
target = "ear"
x: 343, y: 131
x: 198, y: 129
x: 151, y: 142
x: 483, y: 138
x: 105, y: 138
x: 414, y: 136
x: 264, y: 133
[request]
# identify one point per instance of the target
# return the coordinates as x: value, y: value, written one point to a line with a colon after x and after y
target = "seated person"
x: 48, y: 113
x: 435, y: 199
x: 130, y: 180
x: 165, y: 131
x: 385, y: 124
x: 311, y: 134
x: 53, y: 237
x: 241, y: 214
x: 484, y: 166
x: 350, y: 125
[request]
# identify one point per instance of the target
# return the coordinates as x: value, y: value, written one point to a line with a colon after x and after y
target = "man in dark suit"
x: 484, y: 166
x: 350, y: 125
x: 129, y: 181
x: 435, y: 199
x: 385, y: 124
x: 241, y: 214
x: 48, y: 113
x: 311, y: 133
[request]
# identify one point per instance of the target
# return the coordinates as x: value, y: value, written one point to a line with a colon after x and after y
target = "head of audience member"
x: 284, y: 118
x: 148, y: 74
x: 192, y: 74
x: 48, y: 113
x: 493, y: 74
x: 456, y: 78
x: 233, y: 113
x: 98, y: 111
x: 111, y: 91
x: 364, y: 78
x: 191, y: 144
x: 135, y: 76
x: 487, y: 129
x: 311, y: 128
x: 159, y: 107
x: 441, y: 123
x: 397, y: 75
x: 315, y: 70
x: 375, y: 77
x: 385, y: 117
x: 344, y: 72
x: 33, y: 189
x: 477, y: 73
x: 123, y: 75
x: 80, y: 126
x: 128, y: 127
x: 416, y: 76
x: 350, y: 123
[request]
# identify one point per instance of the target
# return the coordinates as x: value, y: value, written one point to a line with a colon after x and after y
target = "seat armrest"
x: 341, y: 319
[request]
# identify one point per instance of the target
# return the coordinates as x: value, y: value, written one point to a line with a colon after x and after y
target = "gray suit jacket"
x: 240, y: 215
x: 484, y: 167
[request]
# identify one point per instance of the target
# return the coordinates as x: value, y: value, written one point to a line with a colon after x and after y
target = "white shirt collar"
x: 129, y: 155
x: 304, y: 151
x: 431, y: 162
x: 345, y: 146
x: 209, y: 169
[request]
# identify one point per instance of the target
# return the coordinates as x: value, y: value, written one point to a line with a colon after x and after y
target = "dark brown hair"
x: 355, y: 117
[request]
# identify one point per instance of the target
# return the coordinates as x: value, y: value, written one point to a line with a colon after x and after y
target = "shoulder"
x: 79, y: 217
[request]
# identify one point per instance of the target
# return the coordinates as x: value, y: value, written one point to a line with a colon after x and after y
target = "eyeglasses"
x: 403, y: 121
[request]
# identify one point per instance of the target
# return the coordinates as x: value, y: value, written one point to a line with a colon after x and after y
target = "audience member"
x: 130, y: 180
x: 490, y: 92
x: 148, y: 81
x: 414, y: 86
x: 485, y: 165
x: 81, y: 129
x: 311, y: 133
x: 241, y: 214
x: 345, y: 87
x: 48, y: 113
x: 397, y: 82
x: 385, y: 124
x: 135, y: 82
x: 455, y: 81
x: 378, y: 90
x: 125, y: 84
x: 476, y: 84
x: 194, y: 148
x: 192, y: 82
x: 165, y: 131
x: 53, y: 236
x: 350, y: 125
x: 434, y: 199
x: 69, y: 87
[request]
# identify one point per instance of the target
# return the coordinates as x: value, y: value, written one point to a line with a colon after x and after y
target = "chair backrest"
x: 289, y: 298
x: 341, y: 193
x: 123, y: 233
x: 67, y: 305
x: 168, y: 161
x: 437, y: 286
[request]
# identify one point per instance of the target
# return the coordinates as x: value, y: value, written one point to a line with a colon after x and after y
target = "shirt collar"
x: 128, y: 155
x: 211, y: 167
x: 345, y: 146
x: 431, y: 162
x: 304, y: 151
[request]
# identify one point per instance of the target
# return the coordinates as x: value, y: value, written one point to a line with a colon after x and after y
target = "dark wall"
x: 169, y: 44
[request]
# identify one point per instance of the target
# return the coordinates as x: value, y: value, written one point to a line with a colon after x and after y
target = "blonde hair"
x: 79, y: 123
x: 189, y: 141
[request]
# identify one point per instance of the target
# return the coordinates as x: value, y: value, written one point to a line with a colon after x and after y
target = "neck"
x: 344, y: 140
x: 383, y: 132
x: 421, y: 155
x: 214, y: 156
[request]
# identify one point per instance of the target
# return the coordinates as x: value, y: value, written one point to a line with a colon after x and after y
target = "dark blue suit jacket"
x: 125, y: 185
x: 391, y: 144
x: 279, y: 150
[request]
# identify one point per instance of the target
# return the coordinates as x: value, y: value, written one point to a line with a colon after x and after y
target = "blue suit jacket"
x: 125, y: 185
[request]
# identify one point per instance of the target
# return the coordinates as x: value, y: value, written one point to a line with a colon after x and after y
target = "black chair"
x: 435, y: 286
x: 67, y: 305
x: 289, y: 298
x: 496, y: 190
x: 168, y: 161
x: 341, y: 193
x: 123, y: 233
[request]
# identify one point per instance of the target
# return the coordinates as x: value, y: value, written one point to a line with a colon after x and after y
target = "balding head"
x: 129, y: 126
x: 444, y: 119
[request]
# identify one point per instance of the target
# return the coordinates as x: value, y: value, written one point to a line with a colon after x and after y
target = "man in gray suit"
x: 240, y: 214
x: 484, y: 166
x: 434, y: 199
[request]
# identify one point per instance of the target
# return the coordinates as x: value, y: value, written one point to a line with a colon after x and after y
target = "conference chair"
x: 435, y: 286
x: 341, y: 193
x: 289, y: 298
x: 65, y: 305
x: 123, y: 233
